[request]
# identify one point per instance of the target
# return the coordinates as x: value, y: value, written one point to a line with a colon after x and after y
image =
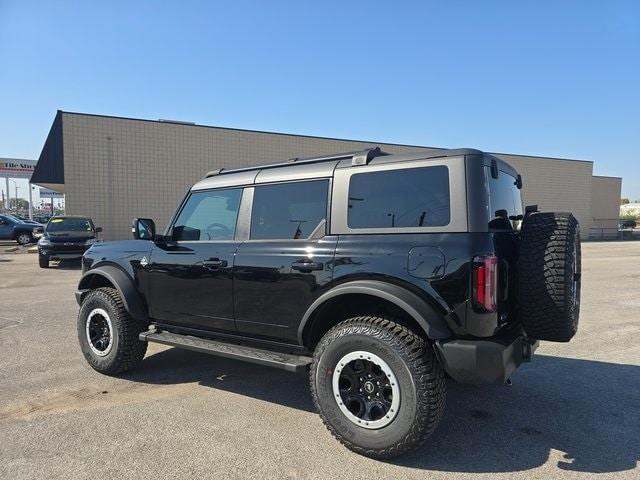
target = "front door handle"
x: 307, y: 265
x: 215, y: 263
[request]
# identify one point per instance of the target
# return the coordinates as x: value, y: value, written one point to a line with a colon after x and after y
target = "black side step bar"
x: 285, y: 361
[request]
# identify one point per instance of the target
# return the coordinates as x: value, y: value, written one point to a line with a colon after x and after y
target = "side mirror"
x: 98, y: 229
x: 143, y: 229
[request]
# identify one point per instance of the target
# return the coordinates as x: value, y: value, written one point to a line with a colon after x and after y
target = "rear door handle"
x: 307, y: 266
x: 215, y: 263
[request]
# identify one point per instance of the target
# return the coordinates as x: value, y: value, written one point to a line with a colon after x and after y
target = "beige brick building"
x: 605, y: 205
x: 113, y: 169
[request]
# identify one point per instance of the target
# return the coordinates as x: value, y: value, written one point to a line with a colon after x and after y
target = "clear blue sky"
x: 557, y: 78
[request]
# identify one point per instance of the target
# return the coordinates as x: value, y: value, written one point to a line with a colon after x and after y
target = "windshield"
x: 13, y: 218
x: 68, y: 224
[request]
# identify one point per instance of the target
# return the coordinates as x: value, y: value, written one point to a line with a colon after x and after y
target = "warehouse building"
x: 113, y: 169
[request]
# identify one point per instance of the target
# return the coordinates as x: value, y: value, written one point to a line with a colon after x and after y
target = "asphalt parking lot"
x: 573, y: 412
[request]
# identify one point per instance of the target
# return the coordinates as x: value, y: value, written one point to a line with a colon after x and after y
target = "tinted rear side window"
x: 288, y: 210
x: 503, y: 195
x: 411, y: 197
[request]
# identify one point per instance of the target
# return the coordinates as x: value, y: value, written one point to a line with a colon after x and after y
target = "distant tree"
x: 21, y: 202
x: 624, y: 201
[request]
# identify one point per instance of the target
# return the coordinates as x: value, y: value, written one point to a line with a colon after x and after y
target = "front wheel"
x: 108, y: 335
x: 378, y: 386
x: 24, y: 239
x: 43, y: 261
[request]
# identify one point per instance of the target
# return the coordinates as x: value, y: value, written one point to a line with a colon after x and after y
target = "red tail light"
x: 485, y: 282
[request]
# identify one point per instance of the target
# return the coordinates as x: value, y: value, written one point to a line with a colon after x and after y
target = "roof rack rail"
x: 360, y: 157
x: 213, y: 173
x: 364, y: 157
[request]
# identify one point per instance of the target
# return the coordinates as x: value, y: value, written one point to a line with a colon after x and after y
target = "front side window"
x: 410, y: 197
x: 209, y: 215
x: 288, y: 210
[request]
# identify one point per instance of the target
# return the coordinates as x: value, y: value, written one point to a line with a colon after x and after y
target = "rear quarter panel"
x: 446, y: 287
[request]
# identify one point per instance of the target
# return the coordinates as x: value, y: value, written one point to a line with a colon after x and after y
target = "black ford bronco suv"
x: 382, y: 274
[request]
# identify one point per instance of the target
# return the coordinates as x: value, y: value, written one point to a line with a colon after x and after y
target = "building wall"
x: 605, y: 203
x: 116, y: 169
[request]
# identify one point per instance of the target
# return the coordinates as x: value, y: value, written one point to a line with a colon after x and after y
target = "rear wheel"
x: 108, y: 335
x: 24, y: 238
x: 549, y: 276
x: 378, y: 386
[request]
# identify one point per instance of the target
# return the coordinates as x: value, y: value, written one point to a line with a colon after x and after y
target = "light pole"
x: 16, y: 193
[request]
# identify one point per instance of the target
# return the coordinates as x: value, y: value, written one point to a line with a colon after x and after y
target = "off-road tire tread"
x: 130, y: 350
x: 544, y: 307
x: 421, y: 361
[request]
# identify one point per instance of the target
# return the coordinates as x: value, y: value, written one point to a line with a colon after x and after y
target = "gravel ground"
x: 573, y: 412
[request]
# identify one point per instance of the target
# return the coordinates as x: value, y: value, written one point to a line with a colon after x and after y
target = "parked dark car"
x: 66, y: 238
x: 12, y: 228
x: 626, y: 223
x: 27, y: 220
x: 43, y: 219
x: 378, y: 273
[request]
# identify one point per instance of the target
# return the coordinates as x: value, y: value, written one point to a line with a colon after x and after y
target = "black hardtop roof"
x: 325, y: 166
x: 358, y: 157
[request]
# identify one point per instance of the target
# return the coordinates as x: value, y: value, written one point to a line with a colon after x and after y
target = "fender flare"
x: 432, y: 322
x: 131, y: 298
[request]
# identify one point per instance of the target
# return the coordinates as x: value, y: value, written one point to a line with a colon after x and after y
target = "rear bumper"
x: 484, y: 361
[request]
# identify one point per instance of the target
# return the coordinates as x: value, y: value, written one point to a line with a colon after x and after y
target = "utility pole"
x: 16, y: 191
x: 6, y: 205
x: 30, y: 187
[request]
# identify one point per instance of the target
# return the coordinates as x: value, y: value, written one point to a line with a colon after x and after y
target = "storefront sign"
x: 46, y: 193
x: 16, y: 168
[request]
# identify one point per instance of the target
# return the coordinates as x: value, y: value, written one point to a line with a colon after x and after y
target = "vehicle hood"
x: 126, y: 253
x: 122, y: 246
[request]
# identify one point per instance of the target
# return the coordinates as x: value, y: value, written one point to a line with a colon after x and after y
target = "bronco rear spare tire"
x: 549, y: 276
